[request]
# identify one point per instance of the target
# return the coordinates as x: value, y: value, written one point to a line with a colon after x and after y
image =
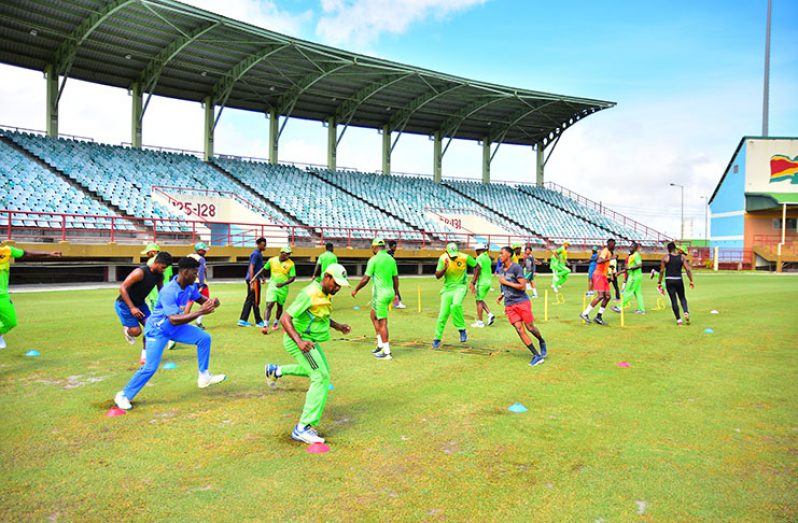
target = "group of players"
x: 157, y: 305
x: 307, y: 321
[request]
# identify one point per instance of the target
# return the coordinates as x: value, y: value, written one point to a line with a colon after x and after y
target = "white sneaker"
x: 535, y: 294
x: 170, y: 345
x: 128, y: 338
x: 491, y: 319
x: 556, y: 290
x: 209, y: 379
x: 528, y: 287
x: 400, y: 305
x: 478, y: 324
x: 121, y: 401
x: 307, y: 435
x: 2, y: 343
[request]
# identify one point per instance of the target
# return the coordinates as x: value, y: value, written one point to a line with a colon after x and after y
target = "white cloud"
x: 361, y: 22
x: 262, y: 13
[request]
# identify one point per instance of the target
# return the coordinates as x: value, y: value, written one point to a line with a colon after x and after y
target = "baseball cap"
x: 480, y: 247
x: 566, y: 243
x: 452, y: 249
x: 338, y: 272
x: 377, y: 242
x: 286, y: 249
x: 595, y: 247
x: 517, y: 245
x: 200, y: 246
x: 151, y: 247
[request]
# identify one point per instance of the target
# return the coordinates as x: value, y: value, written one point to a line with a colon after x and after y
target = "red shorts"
x: 519, y: 312
x: 600, y: 282
x: 205, y: 292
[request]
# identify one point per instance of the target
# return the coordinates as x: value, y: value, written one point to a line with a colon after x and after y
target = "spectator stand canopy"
x: 170, y: 49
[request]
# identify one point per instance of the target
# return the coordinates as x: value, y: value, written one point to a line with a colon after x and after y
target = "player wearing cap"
x: 200, y: 250
x: 517, y: 306
x: 600, y: 284
x: 382, y: 269
x: 324, y: 260
x: 529, y: 264
x: 452, y: 267
x: 8, y: 316
x: 480, y: 285
x: 169, y: 322
x: 559, y: 266
x: 283, y: 274
x: 150, y: 251
x: 591, y: 268
x: 633, y: 273
x: 306, y: 323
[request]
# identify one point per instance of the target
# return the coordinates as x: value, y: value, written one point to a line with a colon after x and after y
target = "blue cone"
x: 356, y: 307
x: 708, y: 330
x: 517, y: 407
x: 33, y: 353
x: 169, y: 365
x: 330, y: 387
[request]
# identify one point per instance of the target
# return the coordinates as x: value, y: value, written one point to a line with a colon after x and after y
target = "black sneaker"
x: 600, y: 320
x: 376, y: 350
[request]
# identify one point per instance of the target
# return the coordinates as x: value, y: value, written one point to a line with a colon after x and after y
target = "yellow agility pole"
x: 546, y: 305
x: 419, y: 298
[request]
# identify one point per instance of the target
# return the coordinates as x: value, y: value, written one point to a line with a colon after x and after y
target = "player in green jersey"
x: 324, y: 260
x: 8, y: 316
x: 306, y: 323
x: 452, y: 267
x: 382, y: 269
x: 283, y: 274
x: 480, y: 285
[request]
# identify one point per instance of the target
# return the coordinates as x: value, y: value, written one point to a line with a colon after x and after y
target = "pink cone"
x: 318, y: 448
x: 116, y: 411
x: 624, y: 364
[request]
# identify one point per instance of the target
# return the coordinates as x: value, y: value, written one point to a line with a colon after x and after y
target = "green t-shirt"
x: 381, y: 268
x: 635, y: 259
x: 311, y: 313
x: 280, y: 271
x: 167, y: 277
x: 485, y: 266
x: 455, y: 274
x: 326, y: 259
x: 7, y: 253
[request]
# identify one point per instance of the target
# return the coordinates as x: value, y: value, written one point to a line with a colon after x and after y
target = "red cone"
x: 116, y: 411
x: 318, y: 448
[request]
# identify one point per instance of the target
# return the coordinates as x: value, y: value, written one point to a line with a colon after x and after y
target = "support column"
x: 274, y: 130
x: 135, y: 116
x: 539, y: 164
x: 386, y: 149
x: 332, y: 143
x: 51, y: 77
x: 486, y: 160
x: 437, y: 157
x: 208, y: 138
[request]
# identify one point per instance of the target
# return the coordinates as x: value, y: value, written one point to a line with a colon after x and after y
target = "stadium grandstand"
x: 102, y: 200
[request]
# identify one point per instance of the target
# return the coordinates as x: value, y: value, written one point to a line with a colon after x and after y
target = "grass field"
x: 700, y: 427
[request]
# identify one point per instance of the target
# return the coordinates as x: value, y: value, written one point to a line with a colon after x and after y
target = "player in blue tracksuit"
x: 169, y: 322
x: 590, y: 269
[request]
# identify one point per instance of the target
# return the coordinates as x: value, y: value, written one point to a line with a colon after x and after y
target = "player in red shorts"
x: 517, y: 306
x: 601, y: 285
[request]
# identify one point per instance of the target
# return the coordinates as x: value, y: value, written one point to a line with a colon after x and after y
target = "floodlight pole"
x: 332, y: 143
x: 135, y: 116
x: 274, y: 132
x: 386, y: 149
x: 682, y: 189
x: 437, y: 157
x: 766, y: 93
x: 51, y: 76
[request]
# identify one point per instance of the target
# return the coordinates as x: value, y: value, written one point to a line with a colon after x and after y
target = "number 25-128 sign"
x: 203, y: 210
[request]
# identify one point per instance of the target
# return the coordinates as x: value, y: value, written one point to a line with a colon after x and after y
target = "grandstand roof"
x: 178, y: 51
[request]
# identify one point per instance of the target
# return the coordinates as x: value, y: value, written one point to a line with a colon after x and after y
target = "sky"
x: 687, y: 77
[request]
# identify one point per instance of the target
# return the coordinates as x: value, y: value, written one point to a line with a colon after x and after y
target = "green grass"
x: 701, y: 427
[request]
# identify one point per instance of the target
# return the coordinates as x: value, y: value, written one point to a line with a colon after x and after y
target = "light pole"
x: 682, y: 188
x: 706, y: 219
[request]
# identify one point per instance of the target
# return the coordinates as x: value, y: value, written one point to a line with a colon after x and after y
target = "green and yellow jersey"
x: 455, y: 274
x: 280, y: 271
x: 7, y: 254
x: 311, y: 311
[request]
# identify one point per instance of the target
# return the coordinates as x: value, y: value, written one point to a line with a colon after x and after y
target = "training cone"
x: 624, y: 364
x: 318, y: 448
x: 356, y: 307
x: 33, y: 353
x: 517, y: 407
x: 708, y: 330
x: 714, y: 312
x: 330, y: 387
x: 169, y: 365
x: 116, y: 411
